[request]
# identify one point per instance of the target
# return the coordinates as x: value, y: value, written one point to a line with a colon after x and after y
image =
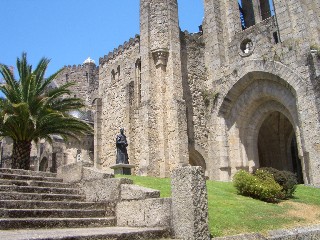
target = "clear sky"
x: 69, y: 31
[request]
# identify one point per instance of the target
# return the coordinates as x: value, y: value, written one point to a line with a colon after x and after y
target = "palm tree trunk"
x: 21, y: 155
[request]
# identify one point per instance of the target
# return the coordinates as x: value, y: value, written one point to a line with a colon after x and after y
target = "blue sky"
x: 69, y: 31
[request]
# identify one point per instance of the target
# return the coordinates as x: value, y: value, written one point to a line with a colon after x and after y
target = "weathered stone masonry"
x: 242, y: 93
x: 236, y: 95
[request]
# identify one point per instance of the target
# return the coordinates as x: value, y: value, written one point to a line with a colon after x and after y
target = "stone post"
x: 189, y: 204
x: 97, y: 132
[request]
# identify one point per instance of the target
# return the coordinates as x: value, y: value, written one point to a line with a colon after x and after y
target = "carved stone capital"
x: 160, y: 57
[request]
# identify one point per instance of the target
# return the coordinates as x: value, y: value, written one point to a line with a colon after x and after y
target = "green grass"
x: 230, y: 213
x: 162, y: 184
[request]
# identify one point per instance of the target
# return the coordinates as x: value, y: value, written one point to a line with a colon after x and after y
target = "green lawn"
x: 231, y: 214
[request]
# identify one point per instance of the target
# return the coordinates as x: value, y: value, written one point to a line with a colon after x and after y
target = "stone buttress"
x: 164, y: 118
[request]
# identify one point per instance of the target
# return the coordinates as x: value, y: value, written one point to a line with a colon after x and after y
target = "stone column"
x: 189, y: 204
x: 97, y: 133
x: 161, y: 58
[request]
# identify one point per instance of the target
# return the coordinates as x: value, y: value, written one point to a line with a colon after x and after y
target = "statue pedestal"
x: 123, y: 169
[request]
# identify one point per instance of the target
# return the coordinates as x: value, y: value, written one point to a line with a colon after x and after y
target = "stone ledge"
x: 306, y: 233
x: 103, y: 190
x: 105, y: 233
x: 134, y: 192
x: 77, y: 172
x: 153, y: 212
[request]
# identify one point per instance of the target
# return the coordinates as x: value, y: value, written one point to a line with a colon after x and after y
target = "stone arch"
x: 196, y: 159
x: 260, y: 69
x: 248, y: 96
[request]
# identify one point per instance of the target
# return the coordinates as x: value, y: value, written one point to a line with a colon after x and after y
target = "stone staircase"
x: 38, y: 200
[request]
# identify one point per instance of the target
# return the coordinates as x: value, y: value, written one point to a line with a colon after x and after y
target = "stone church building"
x: 242, y: 93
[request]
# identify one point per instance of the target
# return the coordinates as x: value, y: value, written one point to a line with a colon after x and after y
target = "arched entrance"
x: 258, y: 126
x: 277, y: 145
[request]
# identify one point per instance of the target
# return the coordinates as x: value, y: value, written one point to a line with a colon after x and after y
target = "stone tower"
x: 162, y: 98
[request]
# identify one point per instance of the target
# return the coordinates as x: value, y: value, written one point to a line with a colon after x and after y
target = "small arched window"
x: 118, y: 71
x: 113, y: 75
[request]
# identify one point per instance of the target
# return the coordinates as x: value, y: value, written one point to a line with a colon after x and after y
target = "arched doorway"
x: 250, y: 115
x: 277, y: 145
x: 43, y: 164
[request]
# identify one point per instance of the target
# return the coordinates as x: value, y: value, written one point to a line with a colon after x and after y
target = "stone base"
x: 123, y: 169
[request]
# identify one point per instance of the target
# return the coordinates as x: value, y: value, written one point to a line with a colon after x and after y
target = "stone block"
x: 123, y: 169
x: 103, y: 190
x: 306, y: 233
x: 144, y: 213
x: 134, y: 192
x: 189, y: 204
x: 247, y: 236
x: 77, y: 172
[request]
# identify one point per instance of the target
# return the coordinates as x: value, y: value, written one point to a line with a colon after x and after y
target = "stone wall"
x: 118, y: 99
x: 199, y: 99
x: 86, y: 81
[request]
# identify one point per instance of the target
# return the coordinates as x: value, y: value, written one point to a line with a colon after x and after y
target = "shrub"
x: 287, y: 180
x: 260, y: 185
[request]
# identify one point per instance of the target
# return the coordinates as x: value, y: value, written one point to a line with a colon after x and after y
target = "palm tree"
x: 30, y: 111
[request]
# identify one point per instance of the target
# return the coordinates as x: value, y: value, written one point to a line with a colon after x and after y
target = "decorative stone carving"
x: 246, y: 47
x: 160, y: 57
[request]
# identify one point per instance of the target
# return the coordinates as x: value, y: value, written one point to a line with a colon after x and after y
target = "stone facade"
x: 241, y: 93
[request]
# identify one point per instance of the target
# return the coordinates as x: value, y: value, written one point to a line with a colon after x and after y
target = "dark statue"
x: 121, y: 143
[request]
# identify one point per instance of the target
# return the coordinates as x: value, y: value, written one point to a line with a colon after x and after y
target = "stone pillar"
x: 189, y: 204
x: 97, y: 132
x: 162, y: 92
x: 161, y: 59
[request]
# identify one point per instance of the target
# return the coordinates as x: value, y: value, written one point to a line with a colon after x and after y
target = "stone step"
x: 104, y: 233
x: 35, y: 183
x: 51, y: 213
x: 27, y: 172
x: 40, y: 196
x: 36, y: 223
x: 35, y: 189
x: 28, y: 177
x: 108, y: 207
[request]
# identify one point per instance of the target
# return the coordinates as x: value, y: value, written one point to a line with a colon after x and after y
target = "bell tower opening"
x: 277, y: 146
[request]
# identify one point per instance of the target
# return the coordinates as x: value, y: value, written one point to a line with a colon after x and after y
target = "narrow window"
x: 87, y: 76
x: 67, y: 77
x: 138, y: 81
x: 131, y: 93
x: 118, y: 72
x: 246, y: 13
x: 265, y: 9
x: 275, y: 37
x: 113, y: 75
